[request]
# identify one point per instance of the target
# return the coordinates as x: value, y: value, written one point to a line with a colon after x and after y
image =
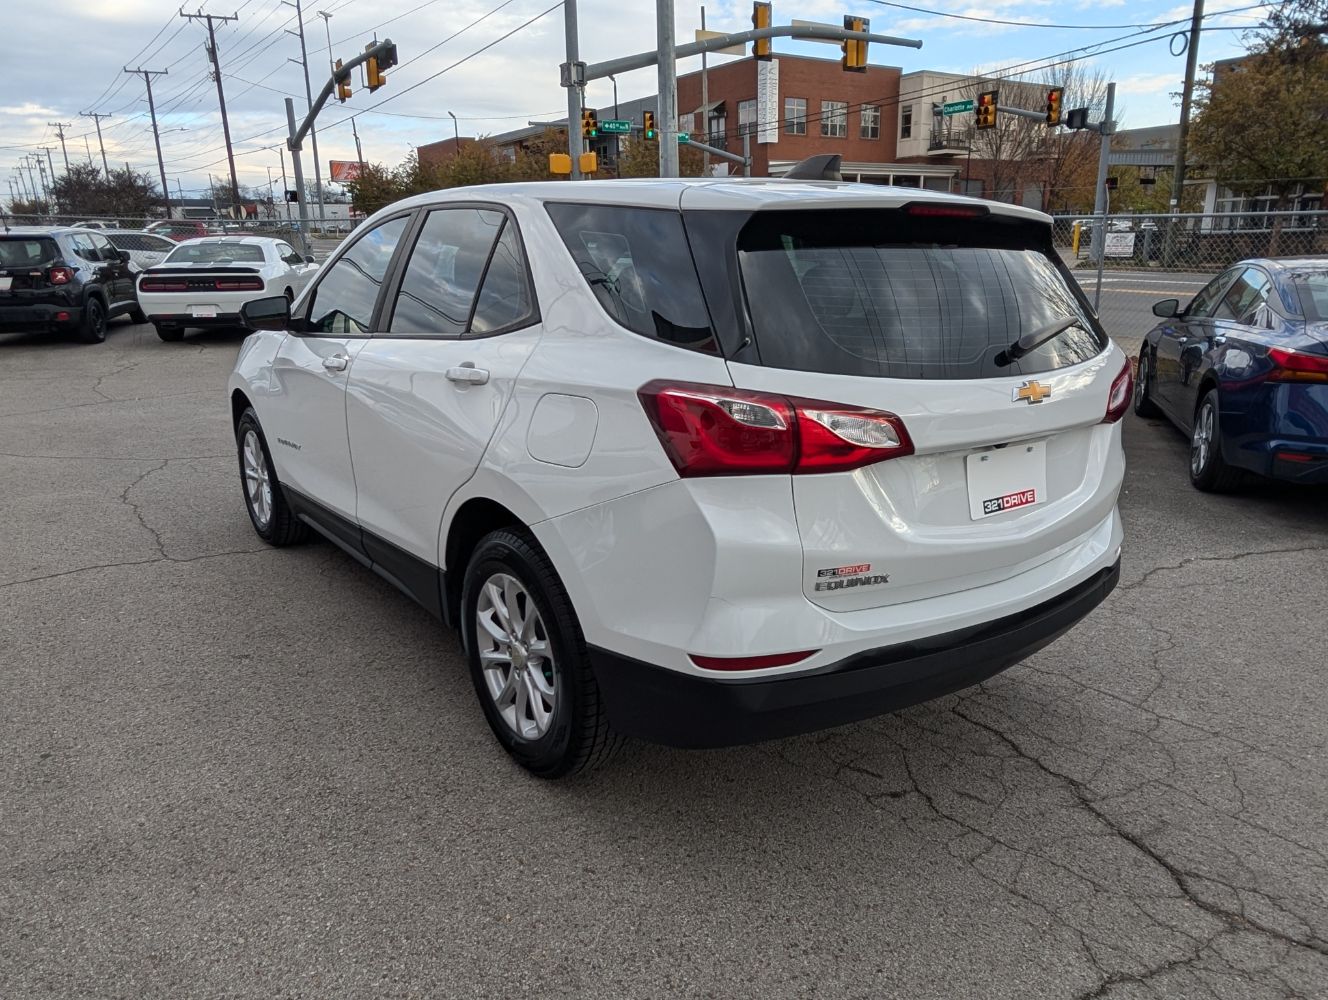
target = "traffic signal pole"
x: 667, y: 101
x: 1107, y: 129
x: 575, y: 87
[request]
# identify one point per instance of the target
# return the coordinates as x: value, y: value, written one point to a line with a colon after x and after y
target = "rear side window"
x: 343, y: 301
x: 639, y: 266
x: 1312, y: 289
x: 26, y: 252
x: 886, y: 294
x: 1246, y: 296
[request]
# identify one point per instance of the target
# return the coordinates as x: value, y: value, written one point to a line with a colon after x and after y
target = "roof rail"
x: 821, y: 167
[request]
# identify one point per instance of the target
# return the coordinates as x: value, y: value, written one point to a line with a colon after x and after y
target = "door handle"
x: 336, y: 363
x: 467, y: 374
x: 1182, y: 341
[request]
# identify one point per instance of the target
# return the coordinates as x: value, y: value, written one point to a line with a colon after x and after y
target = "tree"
x: 640, y: 158
x: 1008, y: 148
x: 1070, y: 157
x: 1263, y: 126
x: 27, y: 212
x: 84, y: 190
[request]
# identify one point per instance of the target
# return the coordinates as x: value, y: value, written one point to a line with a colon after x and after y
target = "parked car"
x: 178, y: 229
x: 1243, y: 370
x: 204, y: 282
x: 55, y: 278
x: 94, y: 225
x: 701, y: 462
x: 144, y: 249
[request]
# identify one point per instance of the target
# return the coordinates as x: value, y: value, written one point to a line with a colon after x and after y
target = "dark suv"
x: 60, y: 278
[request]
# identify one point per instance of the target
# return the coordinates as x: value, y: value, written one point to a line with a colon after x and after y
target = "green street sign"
x: 684, y: 137
x: 956, y: 107
x: 616, y: 126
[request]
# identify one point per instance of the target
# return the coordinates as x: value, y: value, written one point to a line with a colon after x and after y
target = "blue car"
x: 1243, y: 369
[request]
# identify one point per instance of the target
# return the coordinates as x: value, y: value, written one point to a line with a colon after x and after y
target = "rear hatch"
x: 1001, y: 460
x: 25, y: 261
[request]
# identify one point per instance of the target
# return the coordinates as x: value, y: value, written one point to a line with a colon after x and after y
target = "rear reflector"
x: 715, y: 430
x: 61, y: 317
x: 1295, y: 366
x: 750, y: 662
x: 1118, y: 400
x: 1294, y: 456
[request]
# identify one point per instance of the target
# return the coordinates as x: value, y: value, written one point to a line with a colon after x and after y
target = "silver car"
x: 145, y: 249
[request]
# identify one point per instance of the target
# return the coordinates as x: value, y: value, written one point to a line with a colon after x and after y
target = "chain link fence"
x: 275, y: 226
x: 1193, y: 242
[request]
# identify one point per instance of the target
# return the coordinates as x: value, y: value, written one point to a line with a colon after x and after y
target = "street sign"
x: 684, y: 137
x: 616, y: 126
x: 956, y: 107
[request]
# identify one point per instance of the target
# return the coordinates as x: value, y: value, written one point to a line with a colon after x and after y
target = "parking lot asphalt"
x: 233, y: 771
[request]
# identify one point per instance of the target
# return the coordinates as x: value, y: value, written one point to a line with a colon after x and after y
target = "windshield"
x: 885, y: 294
x: 26, y: 251
x: 216, y: 253
x: 1312, y: 288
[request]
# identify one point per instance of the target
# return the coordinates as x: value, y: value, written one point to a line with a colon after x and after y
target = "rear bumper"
x: 685, y: 710
x: 186, y: 320
x: 1278, y: 430
x: 38, y: 316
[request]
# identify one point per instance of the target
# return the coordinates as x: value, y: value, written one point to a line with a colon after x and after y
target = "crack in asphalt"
x: 1235, y: 557
x: 133, y: 562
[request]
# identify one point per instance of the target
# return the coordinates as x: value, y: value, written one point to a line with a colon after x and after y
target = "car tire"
x: 93, y: 330
x: 270, y: 514
x: 290, y: 295
x: 170, y: 334
x: 1209, y: 471
x: 533, y: 677
x: 1144, y: 406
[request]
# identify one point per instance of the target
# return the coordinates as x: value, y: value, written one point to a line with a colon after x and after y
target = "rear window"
x: 216, y: 253
x: 18, y: 251
x: 1312, y: 288
x: 886, y: 294
x: 637, y: 262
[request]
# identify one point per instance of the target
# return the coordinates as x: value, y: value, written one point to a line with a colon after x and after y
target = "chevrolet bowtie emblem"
x: 1033, y: 392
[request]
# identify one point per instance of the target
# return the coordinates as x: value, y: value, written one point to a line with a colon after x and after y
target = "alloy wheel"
x: 1201, y: 444
x: 1141, y: 382
x: 257, y: 484
x: 515, y: 656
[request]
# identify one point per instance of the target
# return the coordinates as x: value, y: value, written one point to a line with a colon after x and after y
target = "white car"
x: 205, y: 281
x: 701, y: 462
x: 144, y: 249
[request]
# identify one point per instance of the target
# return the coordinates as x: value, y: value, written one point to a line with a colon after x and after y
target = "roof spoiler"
x: 821, y: 167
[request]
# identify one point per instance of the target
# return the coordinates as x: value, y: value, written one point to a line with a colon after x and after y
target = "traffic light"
x: 985, y: 111
x: 375, y: 66
x: 1076, y: 118
x: 855, y: 51
x: 762, y: 17
x: 589, y: 124
x: 1054, y: 96
x: 343, y: 84
x: 648, y: 128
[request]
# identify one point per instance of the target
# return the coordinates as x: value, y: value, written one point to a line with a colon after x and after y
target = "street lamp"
x: 456, y: 132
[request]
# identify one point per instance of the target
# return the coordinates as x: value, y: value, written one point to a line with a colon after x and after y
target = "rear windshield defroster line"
x: 882, y: 294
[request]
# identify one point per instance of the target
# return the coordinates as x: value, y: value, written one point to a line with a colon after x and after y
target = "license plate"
x: 1007, y: 479
x: 203, y: 312
x: 5, y: 283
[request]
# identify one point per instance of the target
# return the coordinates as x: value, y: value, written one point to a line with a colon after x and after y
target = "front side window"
x: 287, y: 253
x: 1206, y: 302
x: 746, y: 117
x: 871, y: 123
x: 885, y: 294
x: 834, y: 118
x: 104, y: 249
x: 82, y: 245
x: 639, y: 267
x: 795, y: 115
x: 905, y: 122
x: 344, y: 298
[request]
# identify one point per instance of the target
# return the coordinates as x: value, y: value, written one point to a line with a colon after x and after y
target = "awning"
x: 714, y: 109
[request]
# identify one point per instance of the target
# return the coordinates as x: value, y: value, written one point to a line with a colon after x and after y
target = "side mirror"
x: 1167, y: 308
x: 124, y: 255
x: 271, y: 313
x: 308, y: 258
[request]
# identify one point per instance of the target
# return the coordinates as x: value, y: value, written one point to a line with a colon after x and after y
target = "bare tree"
x: 1008, y: 149
x: 1070, y: 158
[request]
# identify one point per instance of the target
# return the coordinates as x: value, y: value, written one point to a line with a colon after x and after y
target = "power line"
x: 1029, y: 24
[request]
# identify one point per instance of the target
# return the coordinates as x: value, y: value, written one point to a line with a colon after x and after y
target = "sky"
x: 490, y: 82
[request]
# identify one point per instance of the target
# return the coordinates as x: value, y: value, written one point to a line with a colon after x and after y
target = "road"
x: 232, y: 771
x: 1126, y: 309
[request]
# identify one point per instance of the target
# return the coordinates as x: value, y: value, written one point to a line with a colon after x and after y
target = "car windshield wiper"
x: 1030, y: 342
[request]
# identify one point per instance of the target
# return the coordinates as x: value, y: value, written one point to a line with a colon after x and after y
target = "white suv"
x: 701, y: 462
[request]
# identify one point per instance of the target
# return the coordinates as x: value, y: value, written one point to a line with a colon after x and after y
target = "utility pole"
x: 221, y: 93
x: 1100, y: 200
x: 359, y: 153
x: 668, y: 89
x: 705, y: 102
x: 147, y: 75
x: 49, y: 162
x: 575, y: 81
x: 309, y: 99
x: 284, y: 185
x: 60, y: 131
x: 88, y: 147
x: 1182, y: 136
x: 96, y: 117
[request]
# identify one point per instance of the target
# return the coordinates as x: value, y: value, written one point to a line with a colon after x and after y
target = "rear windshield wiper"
x: 1030, y: 342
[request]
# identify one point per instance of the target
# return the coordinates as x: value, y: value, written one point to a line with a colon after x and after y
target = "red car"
x: 178, y: 229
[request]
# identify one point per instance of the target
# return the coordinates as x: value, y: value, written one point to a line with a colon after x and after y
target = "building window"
x: 746, y: 117
x: 834, y: 118
x: 718, y: 135
x: 871, y: 122
x: 795, y: 115
x: 905, y: 122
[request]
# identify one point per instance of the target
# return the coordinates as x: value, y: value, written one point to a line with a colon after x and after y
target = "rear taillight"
x: 712, y: 430
x: 239, y: 284
x: 163, y: 285
x: 750, y: 662
x: 1293, y: 366
x: 60, y: 275
x: 1118, y: 400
